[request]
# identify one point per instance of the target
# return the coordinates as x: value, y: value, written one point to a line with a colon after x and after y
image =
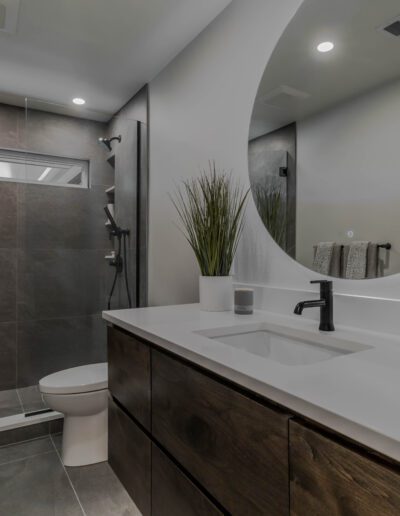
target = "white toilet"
x: 81, y: 394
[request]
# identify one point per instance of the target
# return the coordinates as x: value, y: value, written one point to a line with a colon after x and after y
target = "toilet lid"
x: 88, y: 378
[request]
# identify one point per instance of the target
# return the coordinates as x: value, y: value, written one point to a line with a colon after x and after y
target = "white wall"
x: 348, y: 174
x: 200, y: 109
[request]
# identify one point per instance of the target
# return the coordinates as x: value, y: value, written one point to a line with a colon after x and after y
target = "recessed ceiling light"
x: 326, y: 46
x: 78, y: 101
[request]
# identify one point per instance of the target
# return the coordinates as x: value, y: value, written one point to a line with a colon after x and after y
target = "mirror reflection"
x: 323, y: 149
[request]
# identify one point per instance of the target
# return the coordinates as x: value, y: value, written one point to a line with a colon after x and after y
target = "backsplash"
x: 362, y: 312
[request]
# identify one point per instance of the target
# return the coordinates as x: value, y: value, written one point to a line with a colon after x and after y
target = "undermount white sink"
x: 284, y: 345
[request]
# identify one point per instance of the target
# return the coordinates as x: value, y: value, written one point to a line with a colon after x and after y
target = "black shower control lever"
x: 325, y: 303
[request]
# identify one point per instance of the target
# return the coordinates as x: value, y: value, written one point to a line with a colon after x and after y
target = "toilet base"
x: 85, y: 439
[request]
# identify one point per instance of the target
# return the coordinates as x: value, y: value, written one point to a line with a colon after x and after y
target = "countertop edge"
x: 371, y: 439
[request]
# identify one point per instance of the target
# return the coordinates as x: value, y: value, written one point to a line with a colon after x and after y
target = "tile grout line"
x: 20, y: 401
x: 27, y: 457
x: 69, y: 478
x: 24, y: 441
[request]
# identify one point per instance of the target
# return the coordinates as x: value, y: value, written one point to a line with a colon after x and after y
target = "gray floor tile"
x: 100, y: 491
x: 15, y: 452
x: 37, y: 486
x: 57, y: 440
x: 31, y: 398
x: 9, y: 403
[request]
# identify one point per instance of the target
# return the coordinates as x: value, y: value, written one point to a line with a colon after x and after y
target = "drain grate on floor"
x: 37, y: 412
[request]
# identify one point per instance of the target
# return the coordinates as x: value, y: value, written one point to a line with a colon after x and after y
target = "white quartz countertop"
x: 357, y: 395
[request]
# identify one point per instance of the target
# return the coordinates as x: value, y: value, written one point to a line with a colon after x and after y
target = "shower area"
x: 62, y: 262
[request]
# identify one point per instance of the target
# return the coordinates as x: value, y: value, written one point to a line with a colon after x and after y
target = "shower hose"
x: 121, y: 266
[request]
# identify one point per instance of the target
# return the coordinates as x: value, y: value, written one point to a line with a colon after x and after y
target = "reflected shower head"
x: 106, y: 142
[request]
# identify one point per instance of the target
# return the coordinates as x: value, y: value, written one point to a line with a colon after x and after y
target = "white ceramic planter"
x: 216, y: 293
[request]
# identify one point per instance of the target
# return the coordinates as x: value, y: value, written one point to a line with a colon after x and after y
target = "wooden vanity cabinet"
x: 235, y: 447
x: 332, y: 479
x: 129, y: 374
x: 173, y: 493
x: 129, y: 451
x: 184, y: 442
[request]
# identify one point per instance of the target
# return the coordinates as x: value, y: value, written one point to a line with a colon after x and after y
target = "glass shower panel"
x: 63, y: 277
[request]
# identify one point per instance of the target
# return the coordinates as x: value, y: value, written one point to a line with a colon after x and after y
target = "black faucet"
x: 325, y: 303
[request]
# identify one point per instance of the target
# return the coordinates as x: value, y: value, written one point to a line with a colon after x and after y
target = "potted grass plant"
x: 211, y: 209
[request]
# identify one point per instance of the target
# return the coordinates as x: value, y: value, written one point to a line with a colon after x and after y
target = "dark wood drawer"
x: 129, y: 374
x: 331, y: 479
x: 173, y: 494
x: 130, y: 457
x: 236, y: 448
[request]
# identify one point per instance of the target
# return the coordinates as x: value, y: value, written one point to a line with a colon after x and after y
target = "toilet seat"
x: 77, y: 380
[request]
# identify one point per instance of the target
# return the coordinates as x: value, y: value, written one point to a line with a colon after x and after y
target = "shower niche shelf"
x: 111, y: 160
x: 111, y: 190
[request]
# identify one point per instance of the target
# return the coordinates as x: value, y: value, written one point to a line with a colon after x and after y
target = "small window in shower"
x: 25, y: 167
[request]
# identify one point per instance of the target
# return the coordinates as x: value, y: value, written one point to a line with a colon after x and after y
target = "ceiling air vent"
x: 284, y: 96
x: 9, y: 15
x: 2, y: 16
x: 393, y: 27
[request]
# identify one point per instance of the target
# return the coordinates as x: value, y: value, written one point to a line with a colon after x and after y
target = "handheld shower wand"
x: 119, y: 263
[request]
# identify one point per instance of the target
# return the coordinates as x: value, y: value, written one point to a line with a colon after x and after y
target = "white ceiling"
x: 101, y: 50
x: 364, y: 58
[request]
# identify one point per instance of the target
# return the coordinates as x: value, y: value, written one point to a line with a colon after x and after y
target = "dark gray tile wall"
x: 53, y: 276
x: 49, y: 345
x: 8, y: 355
x: 8, y: 216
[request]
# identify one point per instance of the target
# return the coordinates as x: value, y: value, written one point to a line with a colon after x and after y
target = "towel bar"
x: 385, y: 246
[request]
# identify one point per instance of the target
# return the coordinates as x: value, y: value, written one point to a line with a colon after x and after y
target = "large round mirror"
x: 324, y: 149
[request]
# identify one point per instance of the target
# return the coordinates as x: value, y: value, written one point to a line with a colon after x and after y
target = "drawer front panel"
x: 235, y: 447
x: 130, y: 457
x: 129, y: 374
x: 331, y: 479
x: 173, y: 493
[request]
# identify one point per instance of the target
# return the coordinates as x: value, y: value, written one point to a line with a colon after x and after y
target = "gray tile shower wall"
x: 53, y: 276
x: 8, y: 216
x: 45, y: 346
x: 8, y: 355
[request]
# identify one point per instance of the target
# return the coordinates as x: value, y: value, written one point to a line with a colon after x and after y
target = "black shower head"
x: 106, y: 142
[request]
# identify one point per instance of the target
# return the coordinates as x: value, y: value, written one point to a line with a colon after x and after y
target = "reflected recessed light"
x: 78, y: 101
x: 326, y: 46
